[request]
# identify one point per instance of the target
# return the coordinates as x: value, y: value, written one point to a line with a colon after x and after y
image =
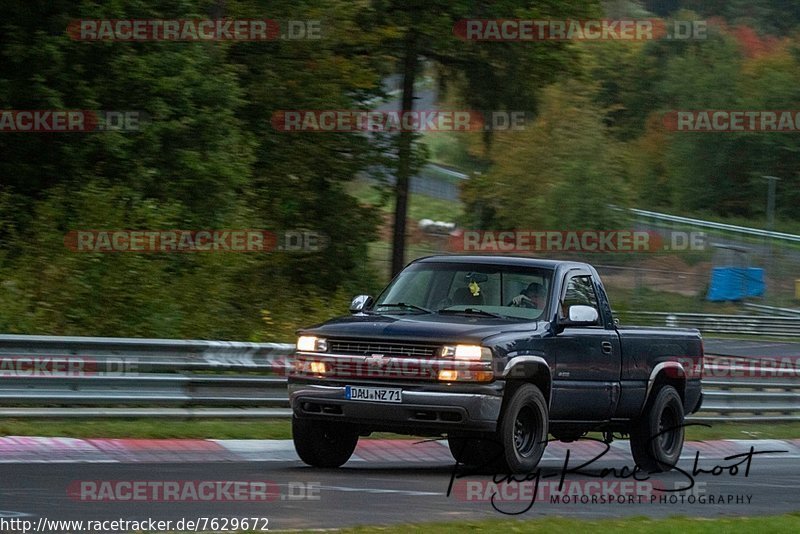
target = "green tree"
x: 205, y: 158
x: 562, y: 172
x: 487, y: 75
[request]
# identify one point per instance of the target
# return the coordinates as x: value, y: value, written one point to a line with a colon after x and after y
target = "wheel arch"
x: 528, y: 369
x: 665, y: 373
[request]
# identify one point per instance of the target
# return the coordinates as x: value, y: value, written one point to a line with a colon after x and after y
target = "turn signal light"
x: 451, y: 375
x: 448, y: 375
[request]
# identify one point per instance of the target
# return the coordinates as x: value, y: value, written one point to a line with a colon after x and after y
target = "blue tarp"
x: 735, y: 283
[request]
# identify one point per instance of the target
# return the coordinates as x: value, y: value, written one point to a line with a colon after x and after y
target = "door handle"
x: 606, y: 346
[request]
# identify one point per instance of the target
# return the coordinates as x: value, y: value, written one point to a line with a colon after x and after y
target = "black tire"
x: 522, y: 430
x: 462, y: 448
x: 323, y: 443
x: 474, y: 450
x: 657, y: 437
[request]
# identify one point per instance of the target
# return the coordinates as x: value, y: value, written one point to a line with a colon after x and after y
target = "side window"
x: 534, y: 288
x: 580, y: 290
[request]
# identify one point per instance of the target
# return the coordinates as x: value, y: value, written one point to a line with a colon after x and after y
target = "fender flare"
x: 527, y: 366
x: 679, y: 371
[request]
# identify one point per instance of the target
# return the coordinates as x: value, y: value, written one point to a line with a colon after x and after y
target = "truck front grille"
x: 367, y: 348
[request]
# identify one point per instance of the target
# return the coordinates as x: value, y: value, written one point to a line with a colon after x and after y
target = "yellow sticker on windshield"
x: 474, y: 288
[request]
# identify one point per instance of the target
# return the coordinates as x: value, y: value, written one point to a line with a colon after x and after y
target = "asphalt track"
x: 387, y: 481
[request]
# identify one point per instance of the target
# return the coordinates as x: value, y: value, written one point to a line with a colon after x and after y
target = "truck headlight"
x: 467, y: 352
x: 311, y: 344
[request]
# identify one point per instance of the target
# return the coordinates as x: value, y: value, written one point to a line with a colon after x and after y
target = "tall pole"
x: 405, y: 140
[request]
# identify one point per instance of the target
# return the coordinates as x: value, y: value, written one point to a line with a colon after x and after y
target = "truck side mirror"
x: 360, y: 303
x: 579, y: 315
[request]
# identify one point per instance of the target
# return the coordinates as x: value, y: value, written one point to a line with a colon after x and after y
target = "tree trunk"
x: 404, y: 143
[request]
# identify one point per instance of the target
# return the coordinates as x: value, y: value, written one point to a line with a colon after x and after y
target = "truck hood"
x: 418, y: 327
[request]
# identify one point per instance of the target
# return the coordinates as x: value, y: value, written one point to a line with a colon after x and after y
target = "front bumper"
x: 425, y: 408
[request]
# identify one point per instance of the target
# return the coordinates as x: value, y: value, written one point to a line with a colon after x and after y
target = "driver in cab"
x: 531, y: 297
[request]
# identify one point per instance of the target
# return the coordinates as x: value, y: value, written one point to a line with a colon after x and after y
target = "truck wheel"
x: 463, y: 448
x: 474, y: 450
x: 323, y: 443
x: 523, y: 429
x: 657, y: 437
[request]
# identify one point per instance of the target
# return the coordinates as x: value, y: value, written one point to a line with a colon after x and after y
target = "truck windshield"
x: 460, y: 288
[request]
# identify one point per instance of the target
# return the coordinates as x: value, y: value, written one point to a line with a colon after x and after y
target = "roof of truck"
x: 487, y: 259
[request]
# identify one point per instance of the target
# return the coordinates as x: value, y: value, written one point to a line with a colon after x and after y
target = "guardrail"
x: 699, y: 223
x: 71, y: 377
x: 739, y: 389
x: 772, y: 310
x: 81, y: 377
x: 111, y: 354
x: 754, y: 325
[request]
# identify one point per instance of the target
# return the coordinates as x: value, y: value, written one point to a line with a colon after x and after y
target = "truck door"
x: 588, y: 358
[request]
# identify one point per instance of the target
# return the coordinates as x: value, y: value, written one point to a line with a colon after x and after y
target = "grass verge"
x: 263, y: 429
x: 148, y: 428
x: 419, y: 206
x: 774, y: 523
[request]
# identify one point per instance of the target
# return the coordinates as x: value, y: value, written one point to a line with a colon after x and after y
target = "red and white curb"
x: 23, y: 449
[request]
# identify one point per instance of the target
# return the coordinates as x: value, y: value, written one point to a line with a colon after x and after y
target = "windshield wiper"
x: 404, y: 306
x: 473, y: 311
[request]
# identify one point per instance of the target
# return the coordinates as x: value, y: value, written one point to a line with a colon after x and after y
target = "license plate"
x: 373, y: 394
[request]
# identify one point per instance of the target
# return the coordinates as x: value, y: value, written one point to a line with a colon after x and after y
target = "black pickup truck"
x: 494, y: 353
